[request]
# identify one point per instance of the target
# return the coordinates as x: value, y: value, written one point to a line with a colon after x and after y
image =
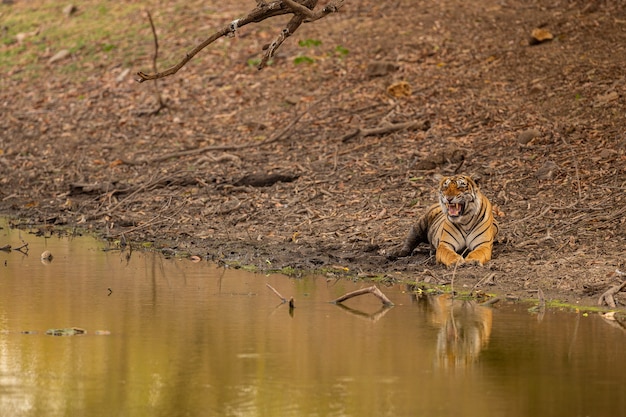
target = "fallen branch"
x: 302, y: 10
x: 369, y: 290
x: 607, y: 298
x: 359, y: 132
x: 265, y: 180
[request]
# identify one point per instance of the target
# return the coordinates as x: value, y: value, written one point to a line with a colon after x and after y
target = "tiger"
x: 462, y: 221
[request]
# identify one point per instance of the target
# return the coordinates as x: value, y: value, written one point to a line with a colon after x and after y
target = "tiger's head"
x: 458, y: 196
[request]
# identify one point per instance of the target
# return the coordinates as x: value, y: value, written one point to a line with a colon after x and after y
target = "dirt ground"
x: 264, y: 169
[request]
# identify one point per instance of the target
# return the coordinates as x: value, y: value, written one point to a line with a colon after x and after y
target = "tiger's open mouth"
x: 455, y: 209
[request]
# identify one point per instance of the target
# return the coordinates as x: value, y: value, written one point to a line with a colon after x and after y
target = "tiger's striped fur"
x: 462, y: 222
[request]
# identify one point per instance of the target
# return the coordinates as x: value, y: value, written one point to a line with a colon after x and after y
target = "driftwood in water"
x: 283, y: 299
x: 369, y: 290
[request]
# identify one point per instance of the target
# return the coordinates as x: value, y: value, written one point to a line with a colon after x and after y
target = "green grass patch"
x: 98, y: 34
x: 303, y: 59
x: 309, y: 43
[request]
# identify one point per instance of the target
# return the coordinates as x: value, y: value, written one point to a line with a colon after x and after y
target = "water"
x: 177, y: 338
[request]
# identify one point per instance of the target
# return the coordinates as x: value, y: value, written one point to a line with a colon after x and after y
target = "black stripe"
x: 436, y: 230
x: 452, y: 236
x: 475, y: 238
x: 458, y: 229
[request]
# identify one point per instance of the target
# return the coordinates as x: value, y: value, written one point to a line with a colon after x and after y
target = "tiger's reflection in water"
x: 464, y: 329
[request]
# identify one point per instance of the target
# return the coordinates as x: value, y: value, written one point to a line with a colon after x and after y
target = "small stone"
x: 527, y: 135
x: 538, y: 36
x: 69, y: 10
x: 62, y: 54
x: 22, y: 36
x: 46, y: 256
x: 606, y: 153
x: 547, y: 171
x: 381, y: 68
x: 122, y: 76
x: 292, y: 100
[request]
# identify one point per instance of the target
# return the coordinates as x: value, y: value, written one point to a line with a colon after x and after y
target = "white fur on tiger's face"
x: 457, y: 197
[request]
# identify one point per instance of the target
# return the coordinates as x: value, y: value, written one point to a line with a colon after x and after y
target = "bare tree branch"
x: 155, y: 56
x: 308, y: 13
x: 302, y: 10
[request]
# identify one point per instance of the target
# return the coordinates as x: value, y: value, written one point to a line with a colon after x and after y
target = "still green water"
x: 177, y: 338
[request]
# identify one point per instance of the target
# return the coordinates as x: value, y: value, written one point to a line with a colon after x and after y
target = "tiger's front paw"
x: 479, y: 256
x: 448, y: 257
x: 456, y: 264
x: 472, y: 262
x: 398, y: 253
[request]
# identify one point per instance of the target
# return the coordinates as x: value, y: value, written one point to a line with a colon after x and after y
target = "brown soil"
x: 543, y: 124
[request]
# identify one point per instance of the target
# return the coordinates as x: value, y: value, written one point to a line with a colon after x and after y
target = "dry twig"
x: 487, y: 279
x: 283, y: 299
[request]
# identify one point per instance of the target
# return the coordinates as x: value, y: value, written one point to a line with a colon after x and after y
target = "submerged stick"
x: 283, y: 299
x: 369, y: 290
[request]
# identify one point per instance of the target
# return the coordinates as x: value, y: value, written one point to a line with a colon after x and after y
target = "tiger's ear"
x: 437, y: 178
x: 476, y: 178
